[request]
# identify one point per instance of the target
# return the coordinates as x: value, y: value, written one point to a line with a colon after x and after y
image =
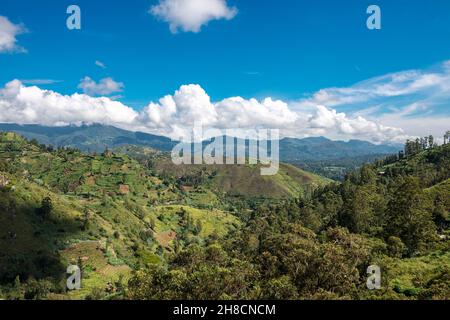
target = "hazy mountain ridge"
x: 97, y: 137
x: 94, y: 138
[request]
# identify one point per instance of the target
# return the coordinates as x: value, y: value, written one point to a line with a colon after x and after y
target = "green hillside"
x: 393, y: 215
x: 230, y: 180
x: 141, y: 228
x: 106, y: 211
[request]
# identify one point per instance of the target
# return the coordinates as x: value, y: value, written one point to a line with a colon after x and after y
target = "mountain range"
x: 97, y: 137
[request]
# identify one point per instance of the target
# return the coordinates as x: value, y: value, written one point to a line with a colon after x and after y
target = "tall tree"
x: 446, y: 137
x: 409, y: 215
x: 431, y: 141
x: 46, y: 208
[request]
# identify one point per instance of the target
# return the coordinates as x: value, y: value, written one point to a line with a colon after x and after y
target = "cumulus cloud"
x: 389, y: 108
x: 32, y: 105
x: 8, y: 33
x: 327, y: 121
x: 415, y: 100
x: 105, y: 86
x: 191, y: 15
x: 175, y: 115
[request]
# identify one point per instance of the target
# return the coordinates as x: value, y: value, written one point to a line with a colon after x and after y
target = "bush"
x: 396, y: 247
x: 37, y: 290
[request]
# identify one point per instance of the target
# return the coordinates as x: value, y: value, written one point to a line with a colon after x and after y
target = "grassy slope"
x: 247, y: 180
x: 235, y: 180
x: 403, y: 274
x: 441, y: 189
x: 406, y: 278
x: 117, y: 193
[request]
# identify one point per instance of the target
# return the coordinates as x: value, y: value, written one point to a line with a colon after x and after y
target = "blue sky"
x: 284, y: 49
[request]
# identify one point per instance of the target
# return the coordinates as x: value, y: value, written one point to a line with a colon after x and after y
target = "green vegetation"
x: 393, y: 214
x: 229, y: 180
x: 61, y: 207
x: 141, y: 228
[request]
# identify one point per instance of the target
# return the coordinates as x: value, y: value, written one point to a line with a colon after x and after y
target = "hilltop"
x: 229, y: 180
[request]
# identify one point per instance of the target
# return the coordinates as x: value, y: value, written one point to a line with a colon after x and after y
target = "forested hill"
x: 394, y: 216
x: 96, y: 137
x: 367, y: 201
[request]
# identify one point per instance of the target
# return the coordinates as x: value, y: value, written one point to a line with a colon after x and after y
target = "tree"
x: 46, y: 208
x: 408, y: 215
x: 410, y: 148
x: 396, y: 247
x: 431, y: 141
x: 358, y: 214
x: 440, y: 214
x: 368, y: 174
x: 446, y: 137
x: 37, y: 289
x: 86, y: 217
x: 17, y: 292
x: 417, y: 146
x: 280, y: 288
x: 438, y: 288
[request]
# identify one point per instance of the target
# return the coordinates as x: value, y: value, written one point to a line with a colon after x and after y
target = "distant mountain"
x: 97, y: 137
x: 320, y: 148
x: 94, y: 137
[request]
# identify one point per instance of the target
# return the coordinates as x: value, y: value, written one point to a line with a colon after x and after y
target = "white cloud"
x: 39, y: 81
x: 191, y: 15
x: 331, y: 123
x: 105, y: 86
x: 387, y: 86
x: 390, y: 108
x: 32, y: 105
x: 415, y: 100
x: 8, y: 33
x: 175, y: 115
x: 100, y: 64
